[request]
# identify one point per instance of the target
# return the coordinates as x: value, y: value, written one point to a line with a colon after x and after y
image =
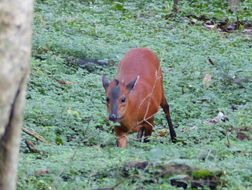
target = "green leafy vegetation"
x: 207, y: 80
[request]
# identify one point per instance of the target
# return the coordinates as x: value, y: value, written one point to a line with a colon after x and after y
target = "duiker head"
x: 117, y: 97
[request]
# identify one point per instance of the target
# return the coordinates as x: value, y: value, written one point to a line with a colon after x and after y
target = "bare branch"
x: 34, y: 134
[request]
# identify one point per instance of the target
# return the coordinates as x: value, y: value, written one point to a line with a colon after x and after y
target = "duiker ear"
x: 132, y: 83
x: 105, y: 82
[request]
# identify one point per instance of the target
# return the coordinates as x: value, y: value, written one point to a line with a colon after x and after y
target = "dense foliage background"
x: 205, y: 52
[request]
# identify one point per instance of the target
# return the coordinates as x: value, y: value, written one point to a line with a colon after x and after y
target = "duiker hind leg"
x: 165, y: 107
x: 148, y: 128
x: 145, y: 130
x: 140, y: 134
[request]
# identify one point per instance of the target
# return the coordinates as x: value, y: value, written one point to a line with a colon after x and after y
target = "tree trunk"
x: 15, y: 50
x: 175, y: 6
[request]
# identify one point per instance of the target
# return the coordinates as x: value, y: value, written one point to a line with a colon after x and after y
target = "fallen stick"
x: 211, y: 61
x: 31, y: 146
x: 34, y: 134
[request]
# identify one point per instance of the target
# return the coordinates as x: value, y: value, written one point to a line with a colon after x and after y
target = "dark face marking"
x: 115, y: 93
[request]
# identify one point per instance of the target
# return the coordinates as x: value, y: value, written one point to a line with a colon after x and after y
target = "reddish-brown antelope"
x: 135, y: 95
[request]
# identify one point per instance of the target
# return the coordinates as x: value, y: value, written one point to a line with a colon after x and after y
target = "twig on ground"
x: 31, y: 146
x: 34, y: 134
x: 211, y: 61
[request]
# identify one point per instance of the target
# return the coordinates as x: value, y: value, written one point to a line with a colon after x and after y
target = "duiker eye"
x: 107, y: 99
x: 123, y: 99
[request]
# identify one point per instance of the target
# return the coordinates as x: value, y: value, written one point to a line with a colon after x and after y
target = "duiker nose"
x: 112, y: 117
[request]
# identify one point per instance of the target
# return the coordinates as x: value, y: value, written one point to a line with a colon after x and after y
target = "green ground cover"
x: 66, y: 103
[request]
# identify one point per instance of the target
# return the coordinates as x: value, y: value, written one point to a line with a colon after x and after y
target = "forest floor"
x: 206, y: 57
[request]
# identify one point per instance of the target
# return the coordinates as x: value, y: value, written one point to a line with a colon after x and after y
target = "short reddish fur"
x: 145, y: 98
